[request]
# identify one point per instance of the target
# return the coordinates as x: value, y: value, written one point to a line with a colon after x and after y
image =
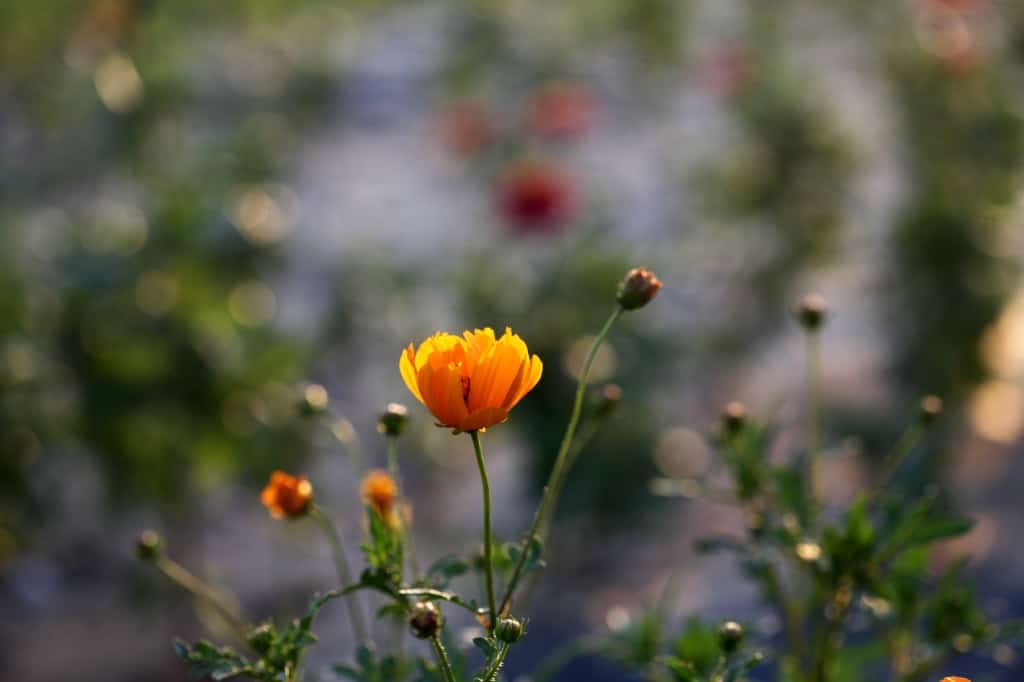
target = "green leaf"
x: 442, y: 571
x: 486, y: 645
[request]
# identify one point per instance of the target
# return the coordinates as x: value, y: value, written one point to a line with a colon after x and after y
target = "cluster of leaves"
x: 278, y: 651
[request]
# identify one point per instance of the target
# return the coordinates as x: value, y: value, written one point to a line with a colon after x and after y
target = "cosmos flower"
x: 470, y: 382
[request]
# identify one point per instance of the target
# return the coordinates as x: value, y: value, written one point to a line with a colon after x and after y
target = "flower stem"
x: 558, y: 470
x: 813, y: 415
x: 488, y: 559
x: 442, y: 658
x: 185, y: 579
x: 355, y: 612
x: 406, y: 531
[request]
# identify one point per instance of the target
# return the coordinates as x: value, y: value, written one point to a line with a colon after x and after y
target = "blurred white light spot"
x: 604, y: 362
x: 118, y: 83
x: 1002, y: 345
x: 681, y: 453
x: 344, y: 431
x: 316, y: 396
x: 264, y: 214
x: 252, y: 303
x: 115, y: 226
x: 1004, y: 655
x: 808, y: 550
x: 617, y: 619
x: 996, y: 411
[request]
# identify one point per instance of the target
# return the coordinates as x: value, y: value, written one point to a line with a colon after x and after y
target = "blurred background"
x: 209, y: 211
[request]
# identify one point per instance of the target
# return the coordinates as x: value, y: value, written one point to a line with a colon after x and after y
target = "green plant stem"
x: 904, y: 446
x: 813, y: 415
x: 558, y: 470
x: 405, y: 526
x: 491, y: 673
x: 488, y: 558
x: 185, y: 579
x: 442, y: 658
x: 352, y: 605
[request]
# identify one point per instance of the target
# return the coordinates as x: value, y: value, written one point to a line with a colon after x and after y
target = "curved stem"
x: 442, y: 658
x: 185, y: 579
x: 355, y: 612
x: 488, y: 559
x: 558, y: 470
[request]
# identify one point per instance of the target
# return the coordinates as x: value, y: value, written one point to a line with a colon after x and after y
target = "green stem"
x: 904, y: 446
x: 406, y: 530
x: 185, y: 579
x: 355, y: 612
x: 488, y: 559
x: 442, y: 658
x: 491, y: 673
x: 814, y: 438
x: 558, y: 470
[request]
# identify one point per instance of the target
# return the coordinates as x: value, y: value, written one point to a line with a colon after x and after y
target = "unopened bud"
x: 639, y: 287
x: 509, y: 630
x: 931, y: 408
x: 394, y: 420
x: 149, y: 546
x: 314, y: 400
x: 426, y: 619
x: 261, y: 637
x: 734, y: 417
x: 812, y: 311
x: 608, y: 400
x: 730, y: 636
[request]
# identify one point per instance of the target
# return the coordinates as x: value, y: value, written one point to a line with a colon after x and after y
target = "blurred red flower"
x: 727, y: 70
x: 536, y: 196
x: 562, y: 109
x: 466, y: 127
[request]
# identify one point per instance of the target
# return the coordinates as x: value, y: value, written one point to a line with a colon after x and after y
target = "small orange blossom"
x: 470, y: 382
x: 955, y: 679
x: 379, y: 491
x: 287, y: 496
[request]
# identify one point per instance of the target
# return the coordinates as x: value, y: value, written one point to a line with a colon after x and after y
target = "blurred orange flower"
x: 470, y: 382
x: 955, y: 679
x: 287, y: 496
x: 379, y: 492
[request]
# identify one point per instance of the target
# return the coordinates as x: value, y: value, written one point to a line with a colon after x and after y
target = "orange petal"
x: 407, y: 366
x: 442, y: 393
x: 481, y: 419
x: 533, y: 374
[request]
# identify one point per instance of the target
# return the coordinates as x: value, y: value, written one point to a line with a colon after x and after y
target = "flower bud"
x: 509, y: 630
x: 812, y: 311
x: 261, y: 637
x: 734, y: 417
x: 379, y: 492
x: 639, y: 288
x: 287, y: 496
x: 931, y: 408
x: 394, y: 420
x: 608, y: 400
x: 149, y: 545
x: 730, y: 636
x: 314, y: 400
x: 426, y: 619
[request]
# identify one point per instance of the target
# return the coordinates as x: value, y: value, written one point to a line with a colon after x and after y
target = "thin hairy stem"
x: 442, y: 658
x: 405, y: 526
x: 485, y: 485
x: 558, y: 470
x: 185, y: 579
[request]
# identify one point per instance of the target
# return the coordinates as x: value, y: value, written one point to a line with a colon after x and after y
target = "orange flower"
x: 470, y: 382
x: 287, y: 496
x: 379, y: 492
x: 955, y: 679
